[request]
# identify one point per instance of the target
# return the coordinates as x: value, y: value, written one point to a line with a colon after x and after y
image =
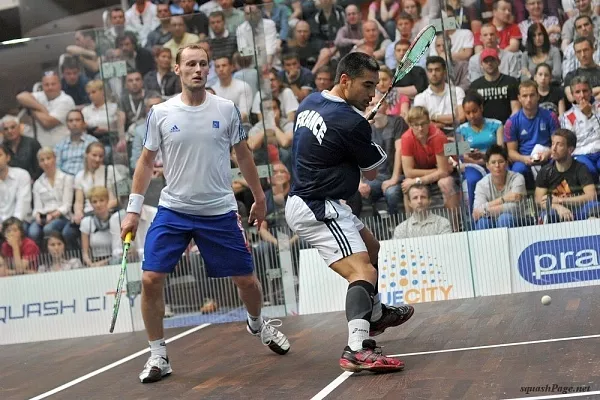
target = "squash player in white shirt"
x: 194, y: 132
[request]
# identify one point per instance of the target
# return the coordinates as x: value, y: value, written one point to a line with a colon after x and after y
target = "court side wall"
x: 462, y: 265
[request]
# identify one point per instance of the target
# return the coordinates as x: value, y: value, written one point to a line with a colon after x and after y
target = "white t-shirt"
x: 58, y: 108
x: 99, y: 232
x: 460, y: 39
x: 195, y: 143
x: 105, y: 116
x: 436, y: 104
x: 88, y: 181
x: 238, y: 91
x: 287, y: 99
x: 15, y: 195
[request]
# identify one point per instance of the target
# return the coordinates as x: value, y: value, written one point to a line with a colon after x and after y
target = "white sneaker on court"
x: 271, y: 336
x: 155, y: 369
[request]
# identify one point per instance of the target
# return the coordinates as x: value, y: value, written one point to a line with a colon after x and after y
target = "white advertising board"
x: 66, y: 304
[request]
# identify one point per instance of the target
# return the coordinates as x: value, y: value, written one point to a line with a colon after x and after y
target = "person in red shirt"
x: 423, y: 159
x: 509, y: 33
x: 21, y: 252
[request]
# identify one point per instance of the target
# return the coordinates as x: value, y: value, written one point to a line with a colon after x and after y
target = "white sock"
x: 377, y: 309
x: 158, y: 348
x: 358, y: 330
x: 255, y: 322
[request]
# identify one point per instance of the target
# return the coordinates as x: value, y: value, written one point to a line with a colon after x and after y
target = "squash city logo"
x: 412, y: 276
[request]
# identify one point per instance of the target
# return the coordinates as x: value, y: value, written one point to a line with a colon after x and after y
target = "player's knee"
x: 245, y: 282
x: 152, y: 281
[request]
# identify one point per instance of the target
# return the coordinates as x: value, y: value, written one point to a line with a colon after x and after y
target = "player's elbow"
x: 370, y: 175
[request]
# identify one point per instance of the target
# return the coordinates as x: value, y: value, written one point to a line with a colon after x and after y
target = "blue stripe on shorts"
x: 220, y: 239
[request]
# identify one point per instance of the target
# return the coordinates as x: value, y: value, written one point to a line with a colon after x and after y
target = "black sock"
x: 359, y: 305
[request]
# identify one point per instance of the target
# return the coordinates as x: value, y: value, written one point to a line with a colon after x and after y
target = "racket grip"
x: 128, y: 238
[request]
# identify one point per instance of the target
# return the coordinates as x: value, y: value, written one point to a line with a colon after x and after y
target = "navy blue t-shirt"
x: 332, y: 144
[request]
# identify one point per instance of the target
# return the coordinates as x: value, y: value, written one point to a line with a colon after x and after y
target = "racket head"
x: 419, y: 46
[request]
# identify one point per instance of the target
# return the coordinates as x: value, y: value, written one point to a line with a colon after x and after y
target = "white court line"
x: 557, y: 396
x: 340, y: 379
x: 116, y: 363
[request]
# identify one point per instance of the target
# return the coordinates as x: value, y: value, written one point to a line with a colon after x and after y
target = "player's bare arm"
x: 250, y: 174
x: 141, y: 180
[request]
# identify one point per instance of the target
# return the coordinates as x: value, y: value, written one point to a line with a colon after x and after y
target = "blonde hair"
x: 416, y: 114
x: 48, y: 151
x: 96, y: 84
x: 386, y: 71
x: 98, y: 192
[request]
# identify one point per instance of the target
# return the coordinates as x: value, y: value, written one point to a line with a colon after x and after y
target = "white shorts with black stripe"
x: 335, y: 238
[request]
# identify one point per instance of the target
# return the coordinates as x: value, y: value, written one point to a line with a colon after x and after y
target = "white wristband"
x: 136, y: 201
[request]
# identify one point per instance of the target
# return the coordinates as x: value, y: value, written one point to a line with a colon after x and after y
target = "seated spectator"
x: 551, y: 24
x: 419, y: 21
x: 56, y: 258
x: 415, y: 81
x: 137, y: 144
x: 552, y: 97
x: 142, y: 19
x: 94, y: 174
x: 585, y: 29
x: 132, y: 101
x: 220, y: 39
x: 196, y: 22
x: 24, y: 148
x: 481, y: 133
x: 565, y: 185
x: 49, y: 109
x: 137, y: 58
x: 296, y: 77
x: 569, y: 29
x: 510, y: 63
x: 20, y: 252
x: 310, y: 51
x: 437, y: 98
x: 423, y: 159
x: 324, y: 79
x: 386, y: 131
x: 509, y: 33
x: 70, y: 151
x: 15, y: 189
x: 280, y: 91
x: 103, y: 119
x: 587, y: 67
x: 422, y: 221
x: 397, y: 103
x: 181, y: 37
x: 280, y: 14
x: 163, y: 80
x: 405, y: 28
x: 52, y: 201
x: 88, y: 48
x: 539, y: 50
x: 498, y: 195
x: 117, y: 25
x: 239, y: 92
x: 162, y: 34
x: 584, y: 120
x: 272, y: 134
x: 257, y: 36
x: 96, y: 240
x: 375, y: 39
x: 385, y: 12
x: 233, y: 17
x: 459, y: 69
x: 527, y: 133
x: 348, y: 36
x: 499, y: 91
x: 73, y: 81
x: 243, y: 71
x: 460, y: 42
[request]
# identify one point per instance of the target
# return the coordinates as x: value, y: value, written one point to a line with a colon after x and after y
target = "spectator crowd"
x: 519, y: 81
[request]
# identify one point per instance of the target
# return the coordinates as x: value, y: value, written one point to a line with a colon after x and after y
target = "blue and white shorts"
x: 220, y: 239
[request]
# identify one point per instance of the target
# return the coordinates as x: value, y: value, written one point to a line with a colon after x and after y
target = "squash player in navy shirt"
x: 331, y: 148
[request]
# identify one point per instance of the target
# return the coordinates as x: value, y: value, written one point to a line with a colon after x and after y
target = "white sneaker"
x: 155, y: 369
x: 271, y: 336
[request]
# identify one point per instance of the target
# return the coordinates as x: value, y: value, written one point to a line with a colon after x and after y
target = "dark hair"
x: 116, y: 9
x: 582, y: 17
x: 354, y: 65
x: 435, y: 60
x: 542, y: 65
x: 69, y: 62
x: 581, y: 40
x: 127, y: 34
x: 472, y: 96
x: 290, y: 55
x: 78, y: 111
x: 403, y: 42
x: 218, y: 13
x: 229, y: 60
x: 324, y: 69
x: 13, y: 221
x: 6, y: 149
x: 497, y: 2
x: 419, y: 186
x: 531, y: 32
x: 496, y: 149
x: 53, y: 235
x: 569, y: 136
x: 405, y: 16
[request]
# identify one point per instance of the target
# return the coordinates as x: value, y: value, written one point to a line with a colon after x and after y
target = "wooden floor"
x: 224, y: 362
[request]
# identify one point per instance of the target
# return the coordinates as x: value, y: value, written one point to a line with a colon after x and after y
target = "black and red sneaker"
x: 391, y: 316
x: 369, y: 358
